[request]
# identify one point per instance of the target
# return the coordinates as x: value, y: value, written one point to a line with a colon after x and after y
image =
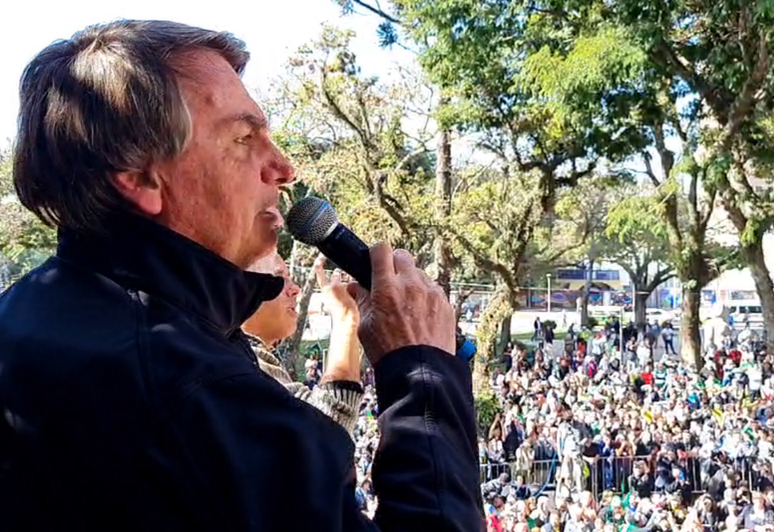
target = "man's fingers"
x: 429, y: 281
x: 336, y: 277
x: 382, y: 264
x: 403, y: 260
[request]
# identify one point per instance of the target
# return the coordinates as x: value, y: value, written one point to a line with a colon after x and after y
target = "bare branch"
x: 338, y: 112
x: 649, y: 170
x: 376, y: 11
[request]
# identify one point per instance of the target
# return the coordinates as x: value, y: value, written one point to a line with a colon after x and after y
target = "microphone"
x: 313, y: 221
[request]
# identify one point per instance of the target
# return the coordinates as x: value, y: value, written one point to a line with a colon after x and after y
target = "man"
x: 129, y: 393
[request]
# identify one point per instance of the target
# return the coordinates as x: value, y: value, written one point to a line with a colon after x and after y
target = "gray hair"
x: 105, y: 101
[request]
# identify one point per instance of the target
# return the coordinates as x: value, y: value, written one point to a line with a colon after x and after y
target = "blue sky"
x: 273, y: 29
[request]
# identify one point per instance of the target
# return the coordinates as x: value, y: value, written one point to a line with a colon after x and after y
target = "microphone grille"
x: 310, y: 219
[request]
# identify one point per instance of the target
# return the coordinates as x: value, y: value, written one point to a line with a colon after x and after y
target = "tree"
x: 597, y: 71
x: 751, y: 210
x: 726, y: 60
x: 706, y: 82
x: 488, y: 59
x: 366, y: 158
x: 499, y: 223
x: 24, y: 241
x: 444, y: 181
x: 636, y: 239
x: 582, y: 218
x: 444, y: 259
x: 351, y: 142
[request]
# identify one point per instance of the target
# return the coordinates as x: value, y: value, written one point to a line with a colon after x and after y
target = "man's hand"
x: 405, y: 307
x: 344, y: 349
x: 337, y: 299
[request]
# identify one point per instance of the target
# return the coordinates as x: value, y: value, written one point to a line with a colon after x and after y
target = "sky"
x: 272, y: 29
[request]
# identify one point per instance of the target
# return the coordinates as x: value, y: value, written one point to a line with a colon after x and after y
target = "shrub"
x: 487, y: 408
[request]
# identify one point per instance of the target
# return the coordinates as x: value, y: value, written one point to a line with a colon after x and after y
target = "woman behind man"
x: 339, y: 392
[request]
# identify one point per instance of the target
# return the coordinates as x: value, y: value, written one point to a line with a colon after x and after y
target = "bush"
x: 550, y: 324
x: 593, y: 322
x: 487, y: 407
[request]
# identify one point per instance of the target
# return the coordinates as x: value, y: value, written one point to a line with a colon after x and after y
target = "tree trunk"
x: 486, y: 336
x: 584, y: 317
x: 291, y: 346
x: 640, y: 309
x: 443, y: 192
x: 505, y: 335
x: 765, y: 287
x: 752, y: 250
x: 690, y: 336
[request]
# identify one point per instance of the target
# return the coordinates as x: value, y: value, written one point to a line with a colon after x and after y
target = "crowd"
x: 599, y: 437
x: 615, y: 434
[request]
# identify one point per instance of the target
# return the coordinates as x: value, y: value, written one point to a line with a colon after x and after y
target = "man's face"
x: 222, y: 191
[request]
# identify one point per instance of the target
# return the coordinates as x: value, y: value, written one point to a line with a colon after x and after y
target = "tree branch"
x: 338, y: 112
x: 661, y: 276
x: 412, y: 154
x: 376, y: 11
x: 649, y: 170
x: 664, y: 54
x: 483, y: 262
x: 751, y: 94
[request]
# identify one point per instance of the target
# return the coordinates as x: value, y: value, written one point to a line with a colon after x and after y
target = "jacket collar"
x: 142, y: 255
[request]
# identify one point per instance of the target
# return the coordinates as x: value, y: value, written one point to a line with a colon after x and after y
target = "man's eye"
x: 245, y: 139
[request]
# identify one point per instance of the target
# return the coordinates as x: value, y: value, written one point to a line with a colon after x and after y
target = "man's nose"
x: 293, y: 289
x: 279, y: 171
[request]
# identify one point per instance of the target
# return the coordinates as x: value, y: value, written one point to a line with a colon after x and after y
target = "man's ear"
x: 141, y: 189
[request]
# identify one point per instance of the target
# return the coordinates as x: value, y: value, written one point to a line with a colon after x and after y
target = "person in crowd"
x: 644, y: 440
x: 312, y: 369
x: 339, y: 393
x: 668, y: 335
x: 131, y: 396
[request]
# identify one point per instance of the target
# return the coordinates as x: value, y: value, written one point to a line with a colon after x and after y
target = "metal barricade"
x: 613, y: 474
x: 540, y: 473
x: 492, y: 471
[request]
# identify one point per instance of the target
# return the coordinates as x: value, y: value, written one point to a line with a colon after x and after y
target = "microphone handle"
x: 348, y: 253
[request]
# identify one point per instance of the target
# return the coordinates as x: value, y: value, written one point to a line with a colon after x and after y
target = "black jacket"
x: 131, y: 401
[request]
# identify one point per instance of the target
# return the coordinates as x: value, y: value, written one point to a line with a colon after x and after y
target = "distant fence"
x: 608, y: 473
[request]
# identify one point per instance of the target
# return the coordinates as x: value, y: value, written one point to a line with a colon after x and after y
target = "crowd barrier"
x: 607, y: 473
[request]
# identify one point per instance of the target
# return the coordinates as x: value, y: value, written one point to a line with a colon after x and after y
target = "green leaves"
x: 349, y: 137
x: 24, y: 240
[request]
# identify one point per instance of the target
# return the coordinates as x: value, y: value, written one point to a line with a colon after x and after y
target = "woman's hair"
x: 107, y: 100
